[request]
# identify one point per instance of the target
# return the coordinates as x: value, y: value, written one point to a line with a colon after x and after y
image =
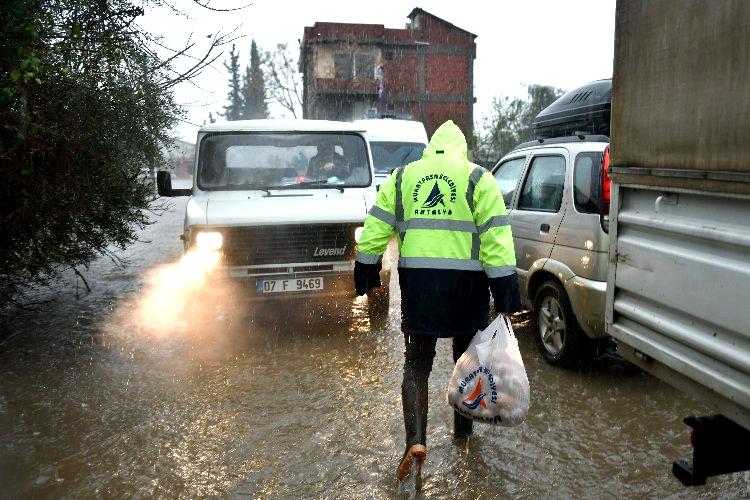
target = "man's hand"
x: 506, y: 294
x: 366, y: 277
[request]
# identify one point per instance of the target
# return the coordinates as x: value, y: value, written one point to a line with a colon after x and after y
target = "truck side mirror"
x: 164, y: 185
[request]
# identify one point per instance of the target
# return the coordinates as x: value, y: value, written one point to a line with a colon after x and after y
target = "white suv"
x: 557, y: 194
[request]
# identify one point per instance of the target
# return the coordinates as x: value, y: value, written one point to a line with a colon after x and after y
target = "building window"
x: 342, y: 65
x: 364, y: 66
x: 358, y: 65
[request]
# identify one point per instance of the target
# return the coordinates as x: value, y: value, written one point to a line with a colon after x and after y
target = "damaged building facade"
x: 423, y: 72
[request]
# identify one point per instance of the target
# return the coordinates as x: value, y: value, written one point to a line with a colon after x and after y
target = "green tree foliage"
x: 85, y: 108
x: 233, y: 110
x: 500, y: 131
x: 509, y: 123
x: 246, y: 99
x: 540, y: 96
x: 254, y: 88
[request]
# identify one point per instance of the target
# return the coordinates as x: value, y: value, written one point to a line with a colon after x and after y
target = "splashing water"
x: 176, y: 298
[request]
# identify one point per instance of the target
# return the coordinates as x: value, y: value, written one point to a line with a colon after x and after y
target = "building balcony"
x: 349, y: 86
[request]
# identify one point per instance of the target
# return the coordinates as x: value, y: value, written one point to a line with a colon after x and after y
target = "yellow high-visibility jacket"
x: 453, y: 235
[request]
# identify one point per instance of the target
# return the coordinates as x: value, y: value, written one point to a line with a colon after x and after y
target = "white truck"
x: 284, y: 201
x: 678, y: 285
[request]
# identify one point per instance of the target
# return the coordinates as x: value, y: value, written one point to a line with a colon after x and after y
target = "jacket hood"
x: 449, y: 140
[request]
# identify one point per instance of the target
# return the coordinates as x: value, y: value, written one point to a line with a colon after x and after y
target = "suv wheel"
x: 558, y: 335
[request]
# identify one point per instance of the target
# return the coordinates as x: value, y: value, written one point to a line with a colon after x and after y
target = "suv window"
x: 543, y: 188
x: 507, y: 175
x: 586, y: 181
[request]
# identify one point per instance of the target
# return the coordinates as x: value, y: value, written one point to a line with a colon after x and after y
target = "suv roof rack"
x: 561, y: 140
x: 586, y: 109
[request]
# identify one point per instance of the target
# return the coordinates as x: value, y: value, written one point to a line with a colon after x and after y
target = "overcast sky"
x: 519, y: 42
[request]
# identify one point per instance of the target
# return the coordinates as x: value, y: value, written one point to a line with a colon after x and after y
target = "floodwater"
x: 278, y: 402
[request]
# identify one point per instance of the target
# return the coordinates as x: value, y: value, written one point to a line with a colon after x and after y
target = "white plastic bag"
x: 489, y: 382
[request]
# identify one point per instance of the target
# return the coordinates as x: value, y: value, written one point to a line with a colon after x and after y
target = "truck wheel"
x: 558, y: 335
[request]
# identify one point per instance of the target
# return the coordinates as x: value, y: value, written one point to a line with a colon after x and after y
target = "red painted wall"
x: 402, y: 74
x: 441, y: 33
x: 447, y: 74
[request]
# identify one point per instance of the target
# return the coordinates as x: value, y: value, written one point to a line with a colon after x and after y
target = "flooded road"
x: 279, y: 403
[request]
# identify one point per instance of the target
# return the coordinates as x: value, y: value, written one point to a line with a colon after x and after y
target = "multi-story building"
x: 424, y: 71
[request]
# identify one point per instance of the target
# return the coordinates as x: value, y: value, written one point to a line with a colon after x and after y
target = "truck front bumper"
x: 337, y: 283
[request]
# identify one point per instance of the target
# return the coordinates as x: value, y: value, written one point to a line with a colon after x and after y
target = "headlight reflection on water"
x: 174, y: 291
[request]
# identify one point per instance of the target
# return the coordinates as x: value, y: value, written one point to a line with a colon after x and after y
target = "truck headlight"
x: 358, y: 233
x: 209, y: 240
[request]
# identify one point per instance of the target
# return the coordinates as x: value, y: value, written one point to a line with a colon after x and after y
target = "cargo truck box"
x: 681, y: 105
x: 678, y: 284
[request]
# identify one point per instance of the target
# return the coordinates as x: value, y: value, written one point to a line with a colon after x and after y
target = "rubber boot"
x: 462, y: 426
x: 415, y: 412
x: 413, y: 458
x: 414, y: 398
x: 415, y: 423
x: 418, y: 356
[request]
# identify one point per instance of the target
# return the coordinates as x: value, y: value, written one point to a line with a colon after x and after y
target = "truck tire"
x: 559, y: 337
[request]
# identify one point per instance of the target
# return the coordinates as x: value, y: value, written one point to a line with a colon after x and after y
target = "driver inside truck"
x: 327, y: 163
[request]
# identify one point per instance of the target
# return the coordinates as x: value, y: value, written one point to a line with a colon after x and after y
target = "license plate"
x: 290, y: 285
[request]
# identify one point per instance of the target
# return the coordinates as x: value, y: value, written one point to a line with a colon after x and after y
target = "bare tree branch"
x: 207, y: 60
x: 284, y: 81
x: 215, y: 9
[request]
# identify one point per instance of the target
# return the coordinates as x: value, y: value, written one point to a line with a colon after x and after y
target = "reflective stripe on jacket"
x: 453, y: 238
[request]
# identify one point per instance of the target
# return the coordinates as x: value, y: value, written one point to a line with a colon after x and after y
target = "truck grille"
x: 250, y: 246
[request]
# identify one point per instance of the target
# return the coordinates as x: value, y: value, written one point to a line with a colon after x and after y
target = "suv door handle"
x: 544, y: 228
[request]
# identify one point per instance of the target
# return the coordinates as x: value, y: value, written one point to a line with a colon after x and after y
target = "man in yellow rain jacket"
x: 454, y: 244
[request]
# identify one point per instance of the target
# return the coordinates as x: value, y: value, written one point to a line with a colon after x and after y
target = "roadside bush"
x: 84, y: 107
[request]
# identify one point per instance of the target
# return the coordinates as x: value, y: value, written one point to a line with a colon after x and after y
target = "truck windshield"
x: 389, y: 155
x: 252, y: 160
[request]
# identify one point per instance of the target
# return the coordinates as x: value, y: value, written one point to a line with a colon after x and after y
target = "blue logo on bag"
x: 476, y: 398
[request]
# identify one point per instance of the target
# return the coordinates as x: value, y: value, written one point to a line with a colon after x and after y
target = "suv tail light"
x: 606, y: 192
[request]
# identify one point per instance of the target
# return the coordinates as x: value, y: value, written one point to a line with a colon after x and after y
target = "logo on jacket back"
x: 476, y: 398
x: 434, y: 198
x: 435, y: 201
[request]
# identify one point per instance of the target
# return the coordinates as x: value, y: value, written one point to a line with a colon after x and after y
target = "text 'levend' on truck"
x: 678, y: 284
x: 284, y: 202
